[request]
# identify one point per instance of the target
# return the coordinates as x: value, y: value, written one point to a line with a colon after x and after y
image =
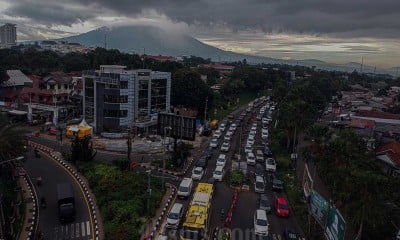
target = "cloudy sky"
x: 337, y: 31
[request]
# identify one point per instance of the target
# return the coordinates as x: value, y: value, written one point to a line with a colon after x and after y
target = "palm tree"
x: 12, y: 139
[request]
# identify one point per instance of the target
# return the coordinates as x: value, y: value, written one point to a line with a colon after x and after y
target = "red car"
x: 281, y: 207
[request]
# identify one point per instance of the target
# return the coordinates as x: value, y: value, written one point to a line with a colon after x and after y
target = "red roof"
x: 362, y: 123
x: 160, y: 58
x: 391, y: 149
x: 377, y: 114
x: 218, y: 66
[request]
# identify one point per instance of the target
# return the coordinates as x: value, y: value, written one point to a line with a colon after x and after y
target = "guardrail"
x: 35, y: 209
x: 87, y: 193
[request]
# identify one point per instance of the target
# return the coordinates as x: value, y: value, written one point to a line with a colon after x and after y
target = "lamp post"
x: 164, y: 146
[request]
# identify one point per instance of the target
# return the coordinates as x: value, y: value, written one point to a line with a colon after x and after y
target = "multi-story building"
x: 8, y: 35
x: 115, y: 98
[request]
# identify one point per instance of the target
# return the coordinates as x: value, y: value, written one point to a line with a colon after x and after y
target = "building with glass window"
x: 117, y: 99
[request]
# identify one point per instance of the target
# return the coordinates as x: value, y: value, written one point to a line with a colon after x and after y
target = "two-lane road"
x: 52, y: 174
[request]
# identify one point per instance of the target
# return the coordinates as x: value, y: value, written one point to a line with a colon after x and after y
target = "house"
x: 389, y: 157
x: 10, y: 89
x: 378, y: 117
x: 222, y: 68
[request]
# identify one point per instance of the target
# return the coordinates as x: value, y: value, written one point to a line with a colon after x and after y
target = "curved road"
x: 52, y: 174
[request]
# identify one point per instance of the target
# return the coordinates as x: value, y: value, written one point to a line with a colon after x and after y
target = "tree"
x: 12, y: 139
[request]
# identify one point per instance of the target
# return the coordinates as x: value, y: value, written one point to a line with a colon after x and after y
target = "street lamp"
x: 164, y: 146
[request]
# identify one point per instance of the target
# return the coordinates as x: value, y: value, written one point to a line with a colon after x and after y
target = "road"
x: 52, y: 174
x: 242, y: 221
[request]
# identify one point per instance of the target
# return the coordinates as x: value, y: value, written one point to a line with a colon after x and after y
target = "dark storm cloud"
x: 344, y: 17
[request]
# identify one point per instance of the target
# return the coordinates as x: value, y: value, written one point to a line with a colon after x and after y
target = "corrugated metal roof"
x: 16, y: 78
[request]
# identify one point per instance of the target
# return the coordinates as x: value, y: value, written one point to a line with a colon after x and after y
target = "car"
x: 277, y: 185
x: 214, y: 143
x: 202, y: 162
x: 252, y: 133
x: 222, y: 127
x: 264, y: 120
x: 250, y: 158
x: 264, y: 203
x: 259, y: 170
x: 248, y: 148
x: 258, y: 118
x: 259, y: 156
x: 259, y: 185
x: 218, y: 173
x: 217, y: 133
x: 272, y: 108
x: 250, y: 141
x: 261, y: 224
x: 174, y: 216
x: 208, y: 153
x: 267, y: 151
x: 234, y: 125
x: 221, y: 160
x: 253, y: 128
x: 270, y: 165
x: 227, y: 138
x: 225, y: 147
x: 197, y: 173
x: 281, y: 207
x: 264, y: 135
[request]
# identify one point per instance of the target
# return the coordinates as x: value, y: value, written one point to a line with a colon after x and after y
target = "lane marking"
x: 77, y: 230
x: 88, y: 228
x: 83, y: 229
x: 72, y: 230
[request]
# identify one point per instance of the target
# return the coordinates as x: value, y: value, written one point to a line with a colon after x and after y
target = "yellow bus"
x: 197, y: 219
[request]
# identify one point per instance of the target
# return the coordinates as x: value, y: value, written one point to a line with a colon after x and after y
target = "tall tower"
x: 8, y: 35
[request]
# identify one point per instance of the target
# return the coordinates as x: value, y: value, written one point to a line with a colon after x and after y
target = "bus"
x: 198, y: 215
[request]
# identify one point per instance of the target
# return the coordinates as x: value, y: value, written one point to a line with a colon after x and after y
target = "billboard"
x: 176, y: 126
x: 335, y: 225
x: 319, y: 208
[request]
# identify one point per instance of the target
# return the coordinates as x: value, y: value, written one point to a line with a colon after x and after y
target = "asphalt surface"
x: 242, y: 225
x: 52, y: 174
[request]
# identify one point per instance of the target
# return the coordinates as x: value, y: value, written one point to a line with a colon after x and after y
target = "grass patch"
x: 122, y: 198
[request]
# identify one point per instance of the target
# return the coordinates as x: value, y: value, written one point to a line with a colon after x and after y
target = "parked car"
x: 289, y: 234
x: 277, y: 185
x: 264, y: 203
x: 174, y: 216
x: 225, y: 147
x: 218, y: 173
x: 270, y: 165
x: 221, y: 160
x: 261, y: 224
x: 197, y: 173
x: 202, y: 162
x: 281, y: 207
x: 259, y: 185
x: 250, y: 158
x: 214, y: 143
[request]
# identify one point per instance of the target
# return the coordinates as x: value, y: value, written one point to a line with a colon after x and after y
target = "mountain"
x: 157, y: 41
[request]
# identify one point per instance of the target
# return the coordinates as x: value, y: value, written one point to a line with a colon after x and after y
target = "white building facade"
x: 8, y: 35
x: 115, y: 98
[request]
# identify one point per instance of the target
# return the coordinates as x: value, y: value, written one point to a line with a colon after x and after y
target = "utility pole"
x: 129, y: 142
x: 164, y: 147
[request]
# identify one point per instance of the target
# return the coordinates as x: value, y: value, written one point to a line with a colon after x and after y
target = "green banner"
x: 335, y: 226
x: 319, y: 208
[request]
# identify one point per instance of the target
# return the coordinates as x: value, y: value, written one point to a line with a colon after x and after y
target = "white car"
x: 217, y: 134
x: 261, y: 224
x: 248, y: 148
x: 221, y: 160
x: 225, y: 147
x: 264, y: 120
x: 253, y: 128
x: 218, y: 173
x: 222, y: 127
x: 214, y: 143
x: 233, y: 126
x: 264, y: 134
x: 270, y: 165
x: 227, y: 138
x: 259, y: 185
x: 250, y: 141
x: 252, y: 133
x: 197, y: 173
x: 250, y: 158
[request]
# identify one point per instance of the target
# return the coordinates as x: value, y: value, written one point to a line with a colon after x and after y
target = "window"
x: 115, y: 113
x: 115, y: 98
x: 65, y: 86
x: 123, y: 85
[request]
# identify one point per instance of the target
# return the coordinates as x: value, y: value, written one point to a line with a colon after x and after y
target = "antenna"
x: 362, y: 63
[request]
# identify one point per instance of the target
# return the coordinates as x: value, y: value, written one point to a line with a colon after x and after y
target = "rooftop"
x: 16, y: 78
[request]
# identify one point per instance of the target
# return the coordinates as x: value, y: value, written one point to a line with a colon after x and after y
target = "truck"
x: 65, y: 203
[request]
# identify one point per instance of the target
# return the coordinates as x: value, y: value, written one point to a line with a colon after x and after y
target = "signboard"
x: 335, y: 226
x: 176, y: 126
x: 319, y: 208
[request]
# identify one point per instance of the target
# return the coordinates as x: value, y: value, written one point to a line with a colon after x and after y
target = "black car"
x: 202, y: 162
x: 208, y: 153
x: 264, y: 203
x: 267, y: 151
x: 259, y: 170
x: 277, y: 185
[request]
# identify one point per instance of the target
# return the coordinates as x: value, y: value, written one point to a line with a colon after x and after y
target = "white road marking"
x: 88, y: 228
x: 77, y: 230
x: 83, y: 229
x: 72, y: 230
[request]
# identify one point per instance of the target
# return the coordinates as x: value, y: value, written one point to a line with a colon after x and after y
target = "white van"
x: 174, y: 216
x: 185, y: 188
